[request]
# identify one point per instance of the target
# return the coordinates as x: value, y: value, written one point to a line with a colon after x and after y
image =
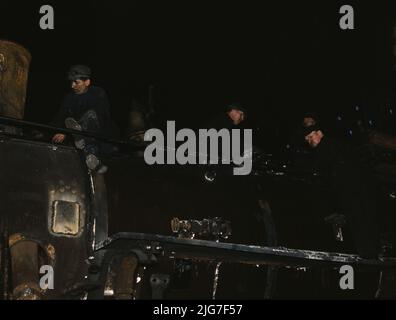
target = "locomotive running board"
x: 203, y: 250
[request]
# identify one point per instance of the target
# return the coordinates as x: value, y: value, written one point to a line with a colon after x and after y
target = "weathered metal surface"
x: 125, y: 277
x: 24, y: 265
x: 39, y: 176
x: 250, y: 264
x: 14, y: 68
x: 14, y: 238
x: 177, y: 248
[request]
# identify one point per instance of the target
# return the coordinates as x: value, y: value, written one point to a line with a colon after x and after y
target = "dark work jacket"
x: 352, y: 191
x: 75, y: 105
x: 342, y: 165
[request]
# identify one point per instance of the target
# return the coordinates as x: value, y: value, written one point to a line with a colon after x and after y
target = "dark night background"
x: 278, y: 59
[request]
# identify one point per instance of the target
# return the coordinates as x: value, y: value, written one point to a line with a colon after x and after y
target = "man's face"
x: 237, y: 116
x: 308, y: 121
x: 80, y: 86
x: 314, y: 138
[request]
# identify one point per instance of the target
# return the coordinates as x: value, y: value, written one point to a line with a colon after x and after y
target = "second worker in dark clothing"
x: 352, y: 187
x: 86, y: 108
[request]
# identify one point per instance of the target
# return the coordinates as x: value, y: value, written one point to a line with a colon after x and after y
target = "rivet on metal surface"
x: 51, y: 252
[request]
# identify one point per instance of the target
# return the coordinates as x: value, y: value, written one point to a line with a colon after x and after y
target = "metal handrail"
x: 35, y: 125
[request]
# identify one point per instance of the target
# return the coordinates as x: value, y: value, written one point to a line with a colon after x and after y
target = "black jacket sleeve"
x: 59, y: 119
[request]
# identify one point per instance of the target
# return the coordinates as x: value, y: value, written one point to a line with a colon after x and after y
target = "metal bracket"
x: 159, y: 284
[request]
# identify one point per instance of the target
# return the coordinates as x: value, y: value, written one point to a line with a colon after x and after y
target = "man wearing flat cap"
x: 86, y: 108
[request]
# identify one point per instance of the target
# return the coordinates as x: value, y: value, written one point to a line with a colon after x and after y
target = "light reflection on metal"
x: 59, y: 200
x: 92, y: 185
x: 304, y: 269
x: 216, y: 280
x: 93, y: 234
x: 210, y: 176
x: 66, y: 217
x: 108, y: 292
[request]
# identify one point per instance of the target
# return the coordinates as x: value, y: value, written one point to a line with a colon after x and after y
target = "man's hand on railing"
x: 58, y: 138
